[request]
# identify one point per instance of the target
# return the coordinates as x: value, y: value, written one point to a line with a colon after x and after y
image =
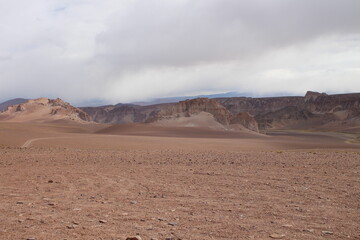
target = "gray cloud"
x: 195, y: 32
x: 131, y: 50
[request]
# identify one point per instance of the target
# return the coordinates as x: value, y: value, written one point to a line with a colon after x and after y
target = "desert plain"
x: 97, y: 181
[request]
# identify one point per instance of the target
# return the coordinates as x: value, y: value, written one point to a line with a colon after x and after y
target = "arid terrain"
x: 94, y: 181
x: 197, y: 169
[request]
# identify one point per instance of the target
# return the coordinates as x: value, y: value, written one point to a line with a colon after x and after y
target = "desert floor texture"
x: 91, y: 181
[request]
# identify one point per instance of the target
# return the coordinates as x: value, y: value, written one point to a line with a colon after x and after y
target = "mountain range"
x: 340, y: 112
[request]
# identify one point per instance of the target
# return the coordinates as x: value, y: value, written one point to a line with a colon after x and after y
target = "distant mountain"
x: 183, y: 98
x: 4, y: 105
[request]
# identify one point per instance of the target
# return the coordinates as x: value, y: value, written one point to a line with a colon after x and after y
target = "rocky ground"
x: 177, y: 188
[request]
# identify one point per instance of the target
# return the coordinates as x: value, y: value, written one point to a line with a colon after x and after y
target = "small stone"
x: 70, y: 226
x: 133, y: 202
x: 287, y: 225
x: 134, y: 238
x: 172, y: 223
x: 327, y: 233
x: 102, y: 221
x: 50, y: 181
x: 19, y: 202
x: 277, y: 236
x: 30, y: 238
x: 309, y: 230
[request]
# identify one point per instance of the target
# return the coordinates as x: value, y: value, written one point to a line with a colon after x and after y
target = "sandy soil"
x: 96, y: 182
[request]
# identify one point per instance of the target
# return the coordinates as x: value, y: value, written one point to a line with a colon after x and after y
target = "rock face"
x: 247, y: 120
x: 185, y: 109
x: 312, y: 110
x: 42, y: 110
x: 122, y: 113
x: 256, y: 106
x: 197, y: 106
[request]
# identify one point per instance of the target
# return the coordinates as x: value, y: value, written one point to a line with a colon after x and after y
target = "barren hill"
x: 43, y: 110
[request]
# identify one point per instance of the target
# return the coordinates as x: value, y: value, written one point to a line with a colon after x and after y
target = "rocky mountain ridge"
x: 303, y: 112
x: 312, y: 111
x: 43, y: 110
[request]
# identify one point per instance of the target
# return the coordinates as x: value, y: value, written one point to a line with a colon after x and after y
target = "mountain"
x: 199, y: 112
x: 203, y: 112
x: 44, y: 110
x: 183, y: 98
x: 312, y: 111
x: 4, y: 105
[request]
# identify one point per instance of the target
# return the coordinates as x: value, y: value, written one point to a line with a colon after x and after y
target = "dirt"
x: 68, y: 183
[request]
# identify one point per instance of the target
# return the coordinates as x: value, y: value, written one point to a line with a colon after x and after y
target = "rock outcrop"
x: 15, y: 101
x: 43, y: 110
x: 313, y: 110
x: 196, y: 106
x: 189, y: 109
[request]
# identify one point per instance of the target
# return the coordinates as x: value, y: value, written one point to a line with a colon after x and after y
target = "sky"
x: 112, y: 51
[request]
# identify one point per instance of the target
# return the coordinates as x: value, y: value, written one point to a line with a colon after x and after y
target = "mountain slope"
x: 4, y: 105
x: 43, y: 110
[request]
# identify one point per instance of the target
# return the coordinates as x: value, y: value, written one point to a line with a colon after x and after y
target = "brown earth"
x: 92, y: 181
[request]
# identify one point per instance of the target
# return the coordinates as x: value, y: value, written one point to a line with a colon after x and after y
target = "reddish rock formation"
x: 44, y: 109
x: 311, y: 111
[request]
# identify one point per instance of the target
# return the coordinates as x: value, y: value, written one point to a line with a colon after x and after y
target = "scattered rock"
x: 19, y: 202
x: 102, y: 221
x: 133, y: 202
x: 134, y: 238
x: 30, y: 238
x: 70, y: 226
x: 309, y: 230
x: 50, y: 181
x: 327, y: 233
x: 287, y: 225
x: 172, y: 223
x: 277, y: 236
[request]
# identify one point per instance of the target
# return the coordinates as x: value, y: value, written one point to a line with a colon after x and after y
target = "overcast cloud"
x: 132, y: 50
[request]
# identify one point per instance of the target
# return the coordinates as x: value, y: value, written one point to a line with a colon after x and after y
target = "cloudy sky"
x: 133, y: 50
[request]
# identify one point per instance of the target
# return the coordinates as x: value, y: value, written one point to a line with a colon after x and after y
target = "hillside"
x: 15, y: 101
x: 43, y: 110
